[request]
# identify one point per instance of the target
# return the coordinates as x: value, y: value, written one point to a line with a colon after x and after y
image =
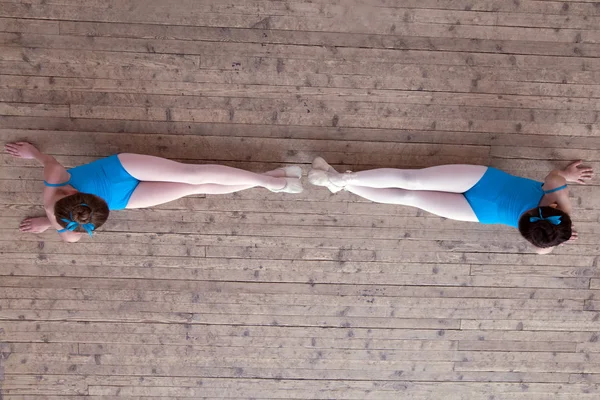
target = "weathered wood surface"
x: 314, y: 296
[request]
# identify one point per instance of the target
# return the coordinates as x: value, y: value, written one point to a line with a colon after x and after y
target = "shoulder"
x: 553, y: 181
x: 56, y: 174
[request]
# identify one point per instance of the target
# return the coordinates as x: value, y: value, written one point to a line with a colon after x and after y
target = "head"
x: 542, y: 232
x: 81, y: 208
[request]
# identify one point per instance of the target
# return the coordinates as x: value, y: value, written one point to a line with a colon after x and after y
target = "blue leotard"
x: 105, y: 178
x: 501, y: 198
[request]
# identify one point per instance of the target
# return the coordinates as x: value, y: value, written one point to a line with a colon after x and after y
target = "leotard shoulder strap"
x: 555, y: 189
x: 56, y: 184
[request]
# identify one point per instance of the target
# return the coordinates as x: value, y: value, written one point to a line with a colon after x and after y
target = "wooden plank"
x: 287, y: 385
x: 266, y: 65
x: 414, y: 36
x: 313, y: 296
x: 564, y: 325
x: 201, y: 16
x: 44, y: 295
x: 108, y: 99
x: 29, y: 26
x: 308, y: 94
x: 524, y: 7
x: 101, y: 333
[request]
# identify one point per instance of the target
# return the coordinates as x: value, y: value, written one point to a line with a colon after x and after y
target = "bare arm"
x: 546, y: 250
x: 556, y: 180
x: 574, y: 173
x: 54, y: 172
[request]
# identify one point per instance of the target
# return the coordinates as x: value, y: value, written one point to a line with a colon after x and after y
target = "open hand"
x: 35, y: 225
x: 574, y: 235
x: 21, y: 150
x: 577, y: 173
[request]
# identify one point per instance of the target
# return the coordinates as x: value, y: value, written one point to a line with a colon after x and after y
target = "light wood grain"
x: 310, y: 296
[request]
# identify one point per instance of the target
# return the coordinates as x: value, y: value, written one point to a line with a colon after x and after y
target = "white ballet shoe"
x: 292, y: 171
x: 318, y: 177
x: 292, y: 185
x: 320, y: 163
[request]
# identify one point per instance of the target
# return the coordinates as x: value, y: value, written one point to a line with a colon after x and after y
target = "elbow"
x: 70, y: 238
x: 546, y: 250
x: 556, y: 177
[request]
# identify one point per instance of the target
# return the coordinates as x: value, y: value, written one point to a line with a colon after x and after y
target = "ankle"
x: 341, y: 179
x: 279, y: 183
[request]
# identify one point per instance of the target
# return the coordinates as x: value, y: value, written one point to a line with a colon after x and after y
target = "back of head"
x: 546, y: 227
x: 81, y: 208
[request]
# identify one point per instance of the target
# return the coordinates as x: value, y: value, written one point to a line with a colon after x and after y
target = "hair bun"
x: 82, y: 208
x: 540, y: 228
x: 82, y: 214
x: 544, y: 232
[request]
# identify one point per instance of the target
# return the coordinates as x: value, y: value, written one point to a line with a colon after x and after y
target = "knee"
x: 407, y: 197
x: 411, y: 180
x: 193, y: 175
x: 396, y: 196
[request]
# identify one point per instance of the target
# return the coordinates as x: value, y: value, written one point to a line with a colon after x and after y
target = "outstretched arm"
x: 573, y: 173
x: 54, y: 172
x: 556, y: 179
x: 576, y: 173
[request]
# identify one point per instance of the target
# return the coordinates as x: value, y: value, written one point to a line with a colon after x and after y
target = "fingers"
x: 12, y: 149
x: 576, y: 164
x: 585, y: 175
x: 574, y: 236
x: 25, y: 225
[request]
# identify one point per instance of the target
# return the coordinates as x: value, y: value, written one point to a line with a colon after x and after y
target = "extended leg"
x: 155, y: 169
x: 449, y: 205
x: 148, y: 194
x: 454, y: 178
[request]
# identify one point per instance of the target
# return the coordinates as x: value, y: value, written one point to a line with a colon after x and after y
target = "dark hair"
x: 543, y: 233
x: 82, y: 208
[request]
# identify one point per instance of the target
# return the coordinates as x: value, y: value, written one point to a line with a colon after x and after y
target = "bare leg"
x: 156, y: 169
x: 148, y: 194
x: 449, y: 205
x: 455, y: 178
x: 35, y: 225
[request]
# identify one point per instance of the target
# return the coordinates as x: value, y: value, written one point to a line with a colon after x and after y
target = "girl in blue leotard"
x: 470, y: 193
x: 78, y: 200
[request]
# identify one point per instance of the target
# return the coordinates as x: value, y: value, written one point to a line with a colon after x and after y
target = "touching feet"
x: 292, y: 175
x: 291, y: 171
x: 323, y: 174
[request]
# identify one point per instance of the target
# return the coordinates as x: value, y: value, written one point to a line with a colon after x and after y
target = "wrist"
x: 44, y: 158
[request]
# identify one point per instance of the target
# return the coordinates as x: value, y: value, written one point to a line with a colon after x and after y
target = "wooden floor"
x: 314, y: 296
